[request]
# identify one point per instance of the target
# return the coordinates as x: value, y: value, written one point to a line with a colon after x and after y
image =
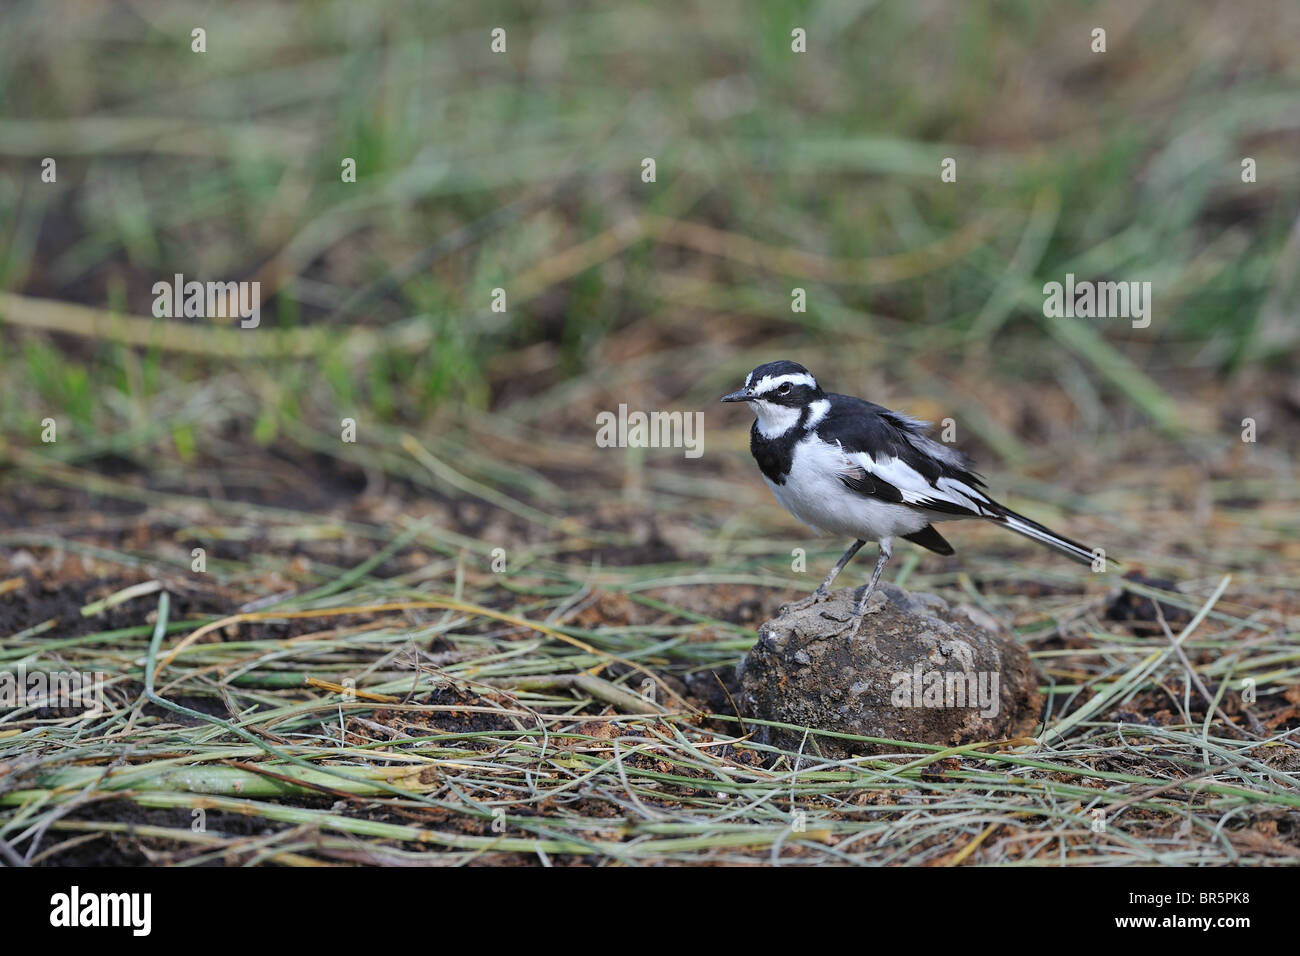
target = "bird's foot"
x: 815, y: 598
x: 852, y: 625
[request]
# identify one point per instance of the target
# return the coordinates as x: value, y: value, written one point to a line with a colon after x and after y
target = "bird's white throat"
x: 774, y: 420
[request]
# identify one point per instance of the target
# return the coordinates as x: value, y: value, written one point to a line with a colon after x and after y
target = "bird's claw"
x: 850, y: 624
x: 853, y: 623
x: 815, y: 598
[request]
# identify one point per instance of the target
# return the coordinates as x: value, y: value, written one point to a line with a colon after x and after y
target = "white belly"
x: 814, y: 494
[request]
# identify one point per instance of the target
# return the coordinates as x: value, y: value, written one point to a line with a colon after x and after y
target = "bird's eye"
x: 784, y: 389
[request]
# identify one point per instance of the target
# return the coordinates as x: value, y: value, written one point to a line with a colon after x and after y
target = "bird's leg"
x: 824, y: 589
x: 854, y: 623
x: 886, y: 552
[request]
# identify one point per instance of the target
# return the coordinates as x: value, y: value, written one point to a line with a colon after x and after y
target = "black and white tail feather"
x: 1032, y: 529
x: 848, y: 466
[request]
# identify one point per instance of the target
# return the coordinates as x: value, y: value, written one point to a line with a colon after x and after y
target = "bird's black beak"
x: 743, y: 395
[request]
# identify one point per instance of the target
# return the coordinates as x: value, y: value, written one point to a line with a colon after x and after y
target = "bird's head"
x: 777, y: 393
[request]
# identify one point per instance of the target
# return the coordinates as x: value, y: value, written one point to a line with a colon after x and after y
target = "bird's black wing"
x: 888, y: 456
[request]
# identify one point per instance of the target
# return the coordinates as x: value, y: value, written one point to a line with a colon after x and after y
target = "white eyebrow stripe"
x: 769, y: 382
x: 747, y: 378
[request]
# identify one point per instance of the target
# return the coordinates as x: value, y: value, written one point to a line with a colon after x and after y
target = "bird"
x: 846, y: 466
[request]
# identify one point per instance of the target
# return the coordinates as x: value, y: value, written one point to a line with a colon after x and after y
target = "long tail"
x: 1032, y: 529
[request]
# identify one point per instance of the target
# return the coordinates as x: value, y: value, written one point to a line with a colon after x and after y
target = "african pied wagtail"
x: 846, y: 466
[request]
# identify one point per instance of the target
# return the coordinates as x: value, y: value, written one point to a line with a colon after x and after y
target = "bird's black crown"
x: 779, y: 383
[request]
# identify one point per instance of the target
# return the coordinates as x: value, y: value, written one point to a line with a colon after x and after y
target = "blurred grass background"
x: 522, y: 170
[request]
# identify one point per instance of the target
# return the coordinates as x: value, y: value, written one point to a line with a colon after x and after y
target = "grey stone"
x: 919, y: 671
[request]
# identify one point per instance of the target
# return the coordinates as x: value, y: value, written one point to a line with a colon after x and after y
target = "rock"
x: 918, y: 671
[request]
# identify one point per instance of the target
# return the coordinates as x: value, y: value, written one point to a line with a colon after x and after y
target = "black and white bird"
x: 849, y: 467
